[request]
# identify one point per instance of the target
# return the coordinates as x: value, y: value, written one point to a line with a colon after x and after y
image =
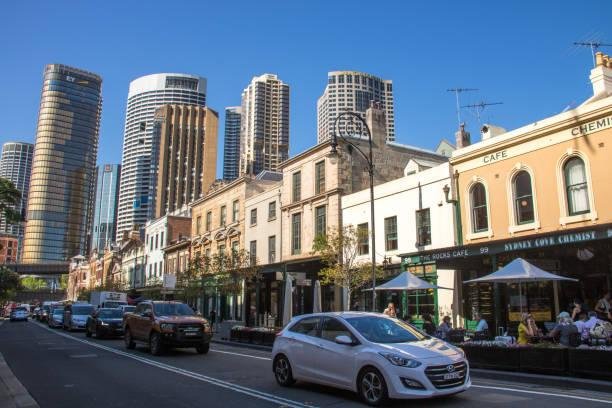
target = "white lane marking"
x: 241, y: 355
x: 200, y: 377
x: 548, y: 394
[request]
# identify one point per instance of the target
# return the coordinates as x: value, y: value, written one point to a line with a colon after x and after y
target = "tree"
x: 63, y: 282
x: 9, y: 283
x: 33, y: 283
x: 9, y: 198
x: 338, y: 250
x: 231, y: 271
x: 190, y: 280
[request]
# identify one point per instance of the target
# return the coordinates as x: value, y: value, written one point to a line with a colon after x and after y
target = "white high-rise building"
x: 353, y: 91
x: 138, y: 166
x: 264, y: 129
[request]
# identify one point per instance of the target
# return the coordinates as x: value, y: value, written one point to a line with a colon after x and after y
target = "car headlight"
x: 167, y: 326
x: 400, y: 361
x: 102, y: 323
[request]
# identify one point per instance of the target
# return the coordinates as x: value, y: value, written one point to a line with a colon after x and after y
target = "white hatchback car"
x: 369, y: 353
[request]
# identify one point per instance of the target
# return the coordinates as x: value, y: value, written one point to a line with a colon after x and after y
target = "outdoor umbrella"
x: 288, y: 303
x: 407, y: 281
x: 519, y: 271
x: 316, y: 300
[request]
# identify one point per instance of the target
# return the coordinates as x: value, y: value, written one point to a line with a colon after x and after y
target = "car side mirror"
x: 344, y: 340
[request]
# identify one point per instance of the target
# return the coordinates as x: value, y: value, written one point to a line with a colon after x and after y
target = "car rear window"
x: 82, y: 310
x: 111, y: 314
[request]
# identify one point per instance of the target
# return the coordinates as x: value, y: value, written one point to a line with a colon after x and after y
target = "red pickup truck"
x: 161, y: 324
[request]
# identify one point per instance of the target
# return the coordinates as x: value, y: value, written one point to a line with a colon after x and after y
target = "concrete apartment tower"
x: 231, y: 144
x: 16, y: 166
x: 104, y: 223
x: 187, y: 157
x: 353, y: 91
x: 138, y: 179
x: 63, y: 167
x: 264, y: 130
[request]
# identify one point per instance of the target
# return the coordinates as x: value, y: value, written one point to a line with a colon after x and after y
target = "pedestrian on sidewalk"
x: 213, y: 319
x: 445, y: 327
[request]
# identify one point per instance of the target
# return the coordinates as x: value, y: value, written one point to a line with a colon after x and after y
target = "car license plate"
x: 191, y: 333
x: 452, y: 376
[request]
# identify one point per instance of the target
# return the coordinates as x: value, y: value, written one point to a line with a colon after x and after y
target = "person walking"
x: 445, y: 327
x: 213, y: 319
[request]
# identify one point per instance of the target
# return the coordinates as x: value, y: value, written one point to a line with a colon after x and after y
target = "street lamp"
x: 354, y: 124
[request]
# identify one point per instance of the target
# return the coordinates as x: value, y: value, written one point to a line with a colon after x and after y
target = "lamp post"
x: 354, y: 124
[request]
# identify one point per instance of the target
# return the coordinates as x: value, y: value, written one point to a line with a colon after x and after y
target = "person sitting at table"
x: 428, y: 326
x: 577, y: 307
x: 604, y: 307
x: 390, y: 310
x: 585, y: 323
x: 445, y: 327
x: 526, y: 329
x: 564, y: 329
x: 482, y: 328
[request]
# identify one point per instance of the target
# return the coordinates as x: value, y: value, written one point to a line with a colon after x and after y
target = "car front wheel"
x: 87, y: 331
x: 155, y: 344
x: 282, y: 371
x: 372, y: 387
x: 127, y: 338
x: 203, y: 348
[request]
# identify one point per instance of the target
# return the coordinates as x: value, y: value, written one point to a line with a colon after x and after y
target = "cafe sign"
x: 566, y: 238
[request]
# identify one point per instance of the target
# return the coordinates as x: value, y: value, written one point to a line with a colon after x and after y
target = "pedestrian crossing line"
x: 548, y: 394
x: 200, y: 377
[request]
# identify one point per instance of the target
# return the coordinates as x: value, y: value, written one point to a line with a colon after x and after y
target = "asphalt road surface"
x: 62, y: 369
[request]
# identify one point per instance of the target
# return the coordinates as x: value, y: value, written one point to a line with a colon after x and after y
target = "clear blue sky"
x: 518, y: 54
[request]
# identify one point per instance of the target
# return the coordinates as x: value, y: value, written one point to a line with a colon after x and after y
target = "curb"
x: 243, y: 345
x: 16, y: 391
x: 545, y: 380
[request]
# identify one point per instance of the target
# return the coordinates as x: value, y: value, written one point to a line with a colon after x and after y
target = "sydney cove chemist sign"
x: 566, y: 238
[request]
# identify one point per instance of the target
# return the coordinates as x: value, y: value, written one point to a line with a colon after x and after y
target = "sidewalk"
x: 217, y: 339
x: 12, y: 393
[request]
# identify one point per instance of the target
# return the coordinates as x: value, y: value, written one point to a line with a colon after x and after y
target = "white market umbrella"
x: 288, y: 301
x: 520, y: 271
x: 407, y: 281
x: 316, y: 300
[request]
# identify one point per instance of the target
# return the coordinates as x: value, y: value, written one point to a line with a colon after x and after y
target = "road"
x: 62, y: 369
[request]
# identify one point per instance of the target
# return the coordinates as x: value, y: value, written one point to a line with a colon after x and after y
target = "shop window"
x: 423, y: 225
x: 363, y: 239
x: 576, y: 186
x: 390, y: 234
x: 478, y: 200
x: 523, y: 198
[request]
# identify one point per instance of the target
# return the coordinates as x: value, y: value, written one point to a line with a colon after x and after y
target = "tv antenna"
x: 457, y: 91
x: 480, y: 107
x: 593, y: 45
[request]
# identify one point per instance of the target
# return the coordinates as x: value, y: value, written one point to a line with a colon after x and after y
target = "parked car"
x: 166, y: 324
x: 371, y: 354
x: 19, y: 314
x: 36, y: 313
x: 75, y: 316
x: 55, y: 317
x: 105, y: 322
x: 46, y: 309
x: 127, y: 308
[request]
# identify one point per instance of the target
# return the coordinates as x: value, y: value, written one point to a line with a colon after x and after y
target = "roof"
x: 417, y: 149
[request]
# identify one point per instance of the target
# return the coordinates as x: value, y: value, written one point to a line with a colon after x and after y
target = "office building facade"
x: 231, y: 143
x: 264, y: 129
x: 353, y: 91
x: 63, y: 165
x: 187, y: 158
x: 146, y: 94
x: 105, y: 207
x: 16, y: 166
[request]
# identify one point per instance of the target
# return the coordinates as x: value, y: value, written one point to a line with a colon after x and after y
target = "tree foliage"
x: 9, y: 198
x: 338, y: 250
x: 9, y: 283
x: 33, y: 283
x: 230, y: 271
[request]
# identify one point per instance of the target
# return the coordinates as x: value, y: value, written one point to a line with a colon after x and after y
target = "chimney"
x: 462, y: 137
x: 601, y: 75
x: 375, y: 118
x: 487, y: 131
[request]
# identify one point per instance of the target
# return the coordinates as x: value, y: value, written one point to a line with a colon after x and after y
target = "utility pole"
x: 593, y: 45
x: 457, y: 91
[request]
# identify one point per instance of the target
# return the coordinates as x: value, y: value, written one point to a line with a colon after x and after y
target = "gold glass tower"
x: 62, y: 180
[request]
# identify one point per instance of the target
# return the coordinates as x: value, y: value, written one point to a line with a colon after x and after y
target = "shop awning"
x: 407, y: 281
x: 519, y: 271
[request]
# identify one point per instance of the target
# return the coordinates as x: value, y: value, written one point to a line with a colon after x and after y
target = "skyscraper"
x: 187, y: 158
x: 138, y: 174
x: 16, y: 166
x: 353, y: 91
x: 63, y: 165
x: 105, y: 206
x: 264, y: 129
x: 231, y: 144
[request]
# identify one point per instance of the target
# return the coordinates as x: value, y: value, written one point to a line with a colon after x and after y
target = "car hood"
x: 109, y: 320
x: 432, y: 348
x: 181, y: 319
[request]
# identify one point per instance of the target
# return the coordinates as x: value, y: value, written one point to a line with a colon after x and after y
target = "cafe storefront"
x: 584, y: 254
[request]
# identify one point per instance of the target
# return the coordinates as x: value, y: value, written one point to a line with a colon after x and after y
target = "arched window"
x: 576, y: 186
x: 478, y: 198
x: 523, y: 198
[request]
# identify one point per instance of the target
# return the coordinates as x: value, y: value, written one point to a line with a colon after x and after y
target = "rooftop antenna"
x: 594, y: 45
x: 457, y: 91
x: 480, y: 107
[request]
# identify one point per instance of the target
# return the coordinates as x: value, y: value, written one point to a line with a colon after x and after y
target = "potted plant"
x: 492, y: 355
x: 269, y: 337
x: 235, y: 333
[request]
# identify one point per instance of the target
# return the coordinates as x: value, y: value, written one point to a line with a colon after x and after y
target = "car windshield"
x: 110, y: 314
x: 20, y: 309
x: 113, y: 304
x: 129, y: 309
x: 58, y: 311
x: 172, y: 309
x: 82, y: 310
x: 385, y: 330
